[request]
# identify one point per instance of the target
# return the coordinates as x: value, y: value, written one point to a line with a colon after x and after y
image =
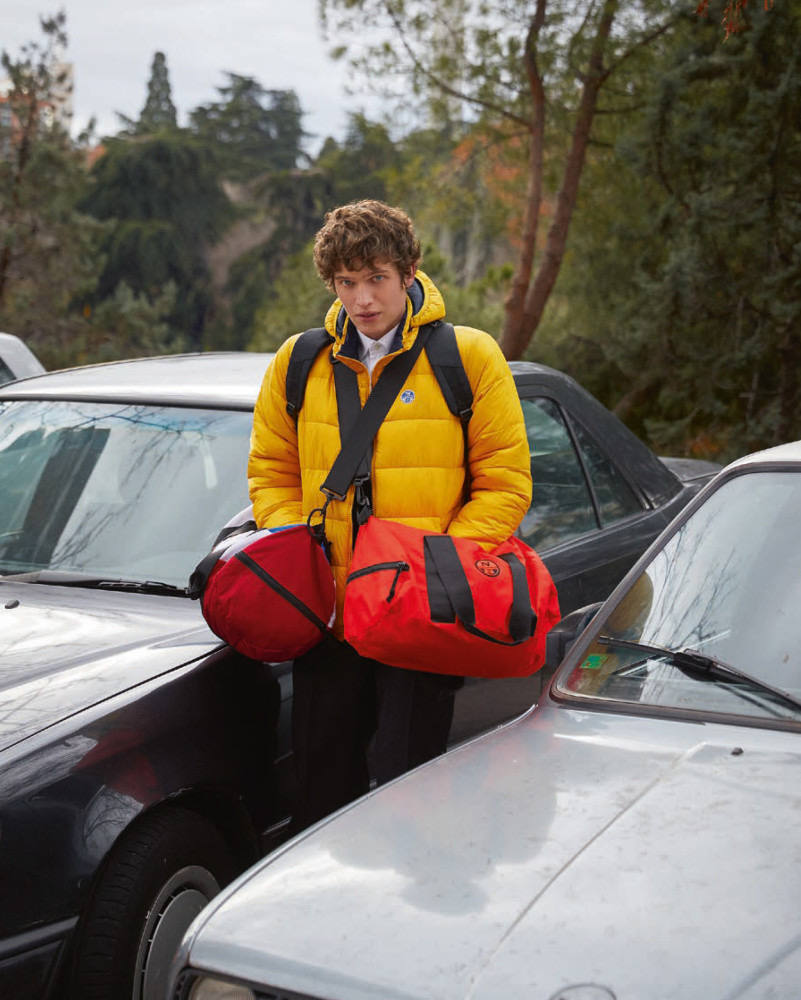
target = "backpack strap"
x: 304, y: 351
x: 444, y: 358
x: 359, y: 426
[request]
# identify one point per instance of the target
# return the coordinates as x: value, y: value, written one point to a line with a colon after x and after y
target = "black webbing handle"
x: 449, y: 596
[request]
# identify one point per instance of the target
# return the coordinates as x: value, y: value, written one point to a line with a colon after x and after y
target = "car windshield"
x: 118, y: 491
x: 726, y: 586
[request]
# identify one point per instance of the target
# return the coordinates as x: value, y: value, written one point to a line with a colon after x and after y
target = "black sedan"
x: 143, y: 763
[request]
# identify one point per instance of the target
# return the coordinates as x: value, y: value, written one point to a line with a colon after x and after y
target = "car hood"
x: 63, y: 649
x: 565, y: 852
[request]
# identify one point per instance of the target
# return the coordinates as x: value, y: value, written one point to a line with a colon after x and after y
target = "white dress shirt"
x: 370, y: 351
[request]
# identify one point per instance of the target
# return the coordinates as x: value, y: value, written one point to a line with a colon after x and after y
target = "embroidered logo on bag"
x: 407, y: 396
x: 488, y: 566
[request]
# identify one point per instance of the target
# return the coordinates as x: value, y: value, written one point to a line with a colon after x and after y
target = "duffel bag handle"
x: 449, y: 595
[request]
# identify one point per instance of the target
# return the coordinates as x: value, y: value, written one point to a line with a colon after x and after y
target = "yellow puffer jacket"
x: 418, y: 466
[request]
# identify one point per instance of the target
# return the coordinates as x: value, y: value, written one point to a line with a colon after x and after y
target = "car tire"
x: 157, y: 878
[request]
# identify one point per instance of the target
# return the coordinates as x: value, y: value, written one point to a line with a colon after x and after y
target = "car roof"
x: 216, y: 379
x: 213, y: 378
x: 782, y: 453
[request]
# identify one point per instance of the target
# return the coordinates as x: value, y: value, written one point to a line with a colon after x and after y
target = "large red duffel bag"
x: 268, y: 593
x: 446, y: 605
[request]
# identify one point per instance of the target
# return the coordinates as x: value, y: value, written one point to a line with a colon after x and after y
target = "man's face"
x: 374, y: 296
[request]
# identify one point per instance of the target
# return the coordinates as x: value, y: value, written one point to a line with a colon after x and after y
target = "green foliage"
x: 360, y: 166
x: 688, y: 255
x: 165, y: 205
x: 48, y: 250
x: 251, y: 130
x: 159, y: 111
x: 165, y: 177
x: 138, y: 322
x: 479, y: 304
x: 298, y: 301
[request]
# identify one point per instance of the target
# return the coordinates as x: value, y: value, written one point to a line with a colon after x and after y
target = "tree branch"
x: 440, y: 84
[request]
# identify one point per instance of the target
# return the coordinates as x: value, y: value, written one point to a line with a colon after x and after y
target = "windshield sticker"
x: 595, y: 661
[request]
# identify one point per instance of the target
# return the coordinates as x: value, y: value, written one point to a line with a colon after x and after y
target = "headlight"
x: 207, y: 988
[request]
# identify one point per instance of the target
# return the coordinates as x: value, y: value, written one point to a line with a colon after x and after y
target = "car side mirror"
x: 564, y: 634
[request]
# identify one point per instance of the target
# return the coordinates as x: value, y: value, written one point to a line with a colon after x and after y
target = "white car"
x: 16, y: 359
x: 633, y: 837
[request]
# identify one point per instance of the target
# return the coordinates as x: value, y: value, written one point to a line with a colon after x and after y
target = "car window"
x: 561, y: 505
x: 725, y: 585
x: 613, y: 494
x: 116, y: 490
x: 6, y: 375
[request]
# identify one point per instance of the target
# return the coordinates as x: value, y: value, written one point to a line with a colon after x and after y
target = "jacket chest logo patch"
x: 407, y: 396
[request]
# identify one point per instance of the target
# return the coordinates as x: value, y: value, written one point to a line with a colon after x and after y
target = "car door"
x: 586, y: 518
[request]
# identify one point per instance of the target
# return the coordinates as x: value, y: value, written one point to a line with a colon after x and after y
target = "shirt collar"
x: 379, y: 347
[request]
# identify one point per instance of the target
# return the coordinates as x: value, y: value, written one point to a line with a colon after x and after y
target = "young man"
x: 367, y: 253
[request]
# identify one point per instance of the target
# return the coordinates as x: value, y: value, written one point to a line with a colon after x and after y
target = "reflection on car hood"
x: 642, y: 856
x: 63, y: 649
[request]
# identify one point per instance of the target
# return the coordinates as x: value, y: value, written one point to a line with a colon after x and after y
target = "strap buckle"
x: 317, y: 531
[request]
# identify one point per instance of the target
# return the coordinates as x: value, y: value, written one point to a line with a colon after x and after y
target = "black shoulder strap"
x: 304, y: 351
x: 443, y: 355
x: 361, y: 425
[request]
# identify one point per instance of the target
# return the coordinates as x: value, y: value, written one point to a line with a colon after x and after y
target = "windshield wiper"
x: 702, y: 663
x: 61, y: 578
x: 140, y: 586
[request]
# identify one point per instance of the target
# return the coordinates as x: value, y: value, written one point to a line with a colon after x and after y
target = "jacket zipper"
x: 399, y: 567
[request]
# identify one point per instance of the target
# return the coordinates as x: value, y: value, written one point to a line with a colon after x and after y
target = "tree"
x: 164, y: 206
x: 722, y: 139
x: 523, y: 72
x: 249, y: 129
x: 159, y: 111
x: 692, y: 221
x: 48, y: 250
x: 733, y: 17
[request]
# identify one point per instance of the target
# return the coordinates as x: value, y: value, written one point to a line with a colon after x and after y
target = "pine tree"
x: 163, y: 206
x: 159, y: 111
x: 250, y: 130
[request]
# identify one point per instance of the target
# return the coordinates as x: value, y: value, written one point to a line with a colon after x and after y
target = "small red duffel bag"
x: 445, y: 605
x: 269, y: 593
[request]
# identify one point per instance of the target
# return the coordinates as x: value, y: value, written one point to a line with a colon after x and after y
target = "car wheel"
x: 157, y: 879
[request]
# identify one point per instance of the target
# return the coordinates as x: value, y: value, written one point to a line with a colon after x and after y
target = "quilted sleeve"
x: 498, y: 452
x: 274, y: 481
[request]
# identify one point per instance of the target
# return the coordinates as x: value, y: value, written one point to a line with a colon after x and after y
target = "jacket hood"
x: 424, y: 305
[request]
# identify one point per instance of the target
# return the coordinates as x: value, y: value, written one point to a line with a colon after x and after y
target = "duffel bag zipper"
x: 399, y: 567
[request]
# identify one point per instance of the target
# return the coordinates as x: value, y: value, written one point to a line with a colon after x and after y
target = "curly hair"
x: 362, y: 233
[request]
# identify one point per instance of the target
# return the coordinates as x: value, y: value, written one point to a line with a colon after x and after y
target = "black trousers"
x: 354, y: 719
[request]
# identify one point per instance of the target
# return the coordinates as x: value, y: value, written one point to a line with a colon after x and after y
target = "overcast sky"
x: 111, y: 46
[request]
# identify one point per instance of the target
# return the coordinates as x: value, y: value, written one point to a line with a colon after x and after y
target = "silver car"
x: 633, y: 836
x: 16, y: 359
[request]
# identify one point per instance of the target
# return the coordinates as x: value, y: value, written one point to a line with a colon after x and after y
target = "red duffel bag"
x: 446, y: 605
x: 268, y: 593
